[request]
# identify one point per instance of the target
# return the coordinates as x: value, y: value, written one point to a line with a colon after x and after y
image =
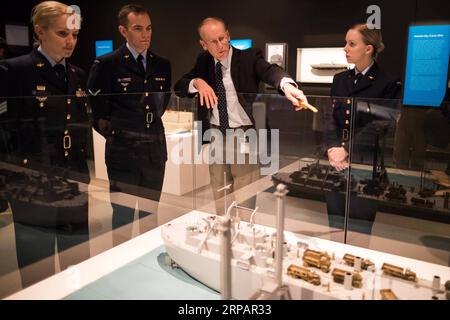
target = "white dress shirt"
x: 237, y: 116
x: 365, y: 70
x: 52, y: 62
x: 135, y: 55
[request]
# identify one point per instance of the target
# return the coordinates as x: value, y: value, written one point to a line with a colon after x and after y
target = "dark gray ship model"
x: 42, y: 199
x: 317, y: 181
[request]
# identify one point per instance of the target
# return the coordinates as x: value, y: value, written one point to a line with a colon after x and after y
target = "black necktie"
x: 60, y: 72
x: 358, y: 77
x: 140, y: 62
x: 222, y: 103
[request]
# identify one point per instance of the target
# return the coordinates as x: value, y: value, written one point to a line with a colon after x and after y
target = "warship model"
x: 42, y: 199
x: 305, y: 270
x: 317, y: 181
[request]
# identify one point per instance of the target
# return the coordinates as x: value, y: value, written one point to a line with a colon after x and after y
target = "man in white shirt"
x: 226, y: 80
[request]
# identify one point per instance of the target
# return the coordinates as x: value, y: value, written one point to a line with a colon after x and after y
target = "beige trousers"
x: 231, y: 171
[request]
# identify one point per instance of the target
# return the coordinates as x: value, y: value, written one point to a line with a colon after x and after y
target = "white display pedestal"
x: 179, y: 177
x: 70, y: 280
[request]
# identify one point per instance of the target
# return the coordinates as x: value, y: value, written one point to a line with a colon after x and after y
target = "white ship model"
x: 330, y: 66
x: 195, y: 243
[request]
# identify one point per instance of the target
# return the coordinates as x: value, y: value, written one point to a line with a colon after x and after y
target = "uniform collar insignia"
x: 40, y: 65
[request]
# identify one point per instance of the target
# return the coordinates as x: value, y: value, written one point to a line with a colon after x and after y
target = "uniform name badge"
x: 244, y: 145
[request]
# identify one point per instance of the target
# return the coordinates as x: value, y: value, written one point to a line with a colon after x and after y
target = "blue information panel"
x: 103, y: 47
x: 241, y: 44
x: 427, y: 65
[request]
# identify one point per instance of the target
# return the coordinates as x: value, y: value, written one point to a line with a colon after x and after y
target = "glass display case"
x: 387, y: 201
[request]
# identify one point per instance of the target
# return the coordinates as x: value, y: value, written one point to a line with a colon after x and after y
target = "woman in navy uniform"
x: 130, y: 89
x: 366, y: 80
x: 48, y: 130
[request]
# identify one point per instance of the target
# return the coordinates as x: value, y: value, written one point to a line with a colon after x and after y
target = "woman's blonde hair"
x: 46, y: 12
x: 371, y: 36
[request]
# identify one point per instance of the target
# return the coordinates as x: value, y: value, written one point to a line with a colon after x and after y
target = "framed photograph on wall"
x: 17, y: 35
x: 277, y: 53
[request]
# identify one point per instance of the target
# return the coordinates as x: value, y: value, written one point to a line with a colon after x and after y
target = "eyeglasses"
x: 221, y: 40
x: 140, y: 29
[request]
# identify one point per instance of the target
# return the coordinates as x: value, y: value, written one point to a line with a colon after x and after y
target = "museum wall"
x: 298, y: 23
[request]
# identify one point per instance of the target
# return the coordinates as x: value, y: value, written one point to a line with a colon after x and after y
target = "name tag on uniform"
x: 40, y: 94
x: 123, y: 80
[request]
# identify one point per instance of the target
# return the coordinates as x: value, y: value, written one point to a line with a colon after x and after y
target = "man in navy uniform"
x: 129, y: 93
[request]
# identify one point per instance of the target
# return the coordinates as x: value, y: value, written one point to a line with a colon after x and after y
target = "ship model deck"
x: 317, y: 181
x: 310, y: 272
x: 43, y: 199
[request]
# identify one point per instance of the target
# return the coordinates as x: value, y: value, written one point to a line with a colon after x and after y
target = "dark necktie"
x: 222, y: 100
x: 60, y: 72
x: 358, y: 77
x: 140, y: 62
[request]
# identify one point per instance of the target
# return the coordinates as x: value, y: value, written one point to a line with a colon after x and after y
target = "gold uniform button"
x: 347, y: 111
x: 113, y: 132
x: 66, y: 132
x: 346, y: 122
x: 161, y: 87
x: 148, y: 125
x: 145, y: 81
x: 41, y: 104
x: 146, y: 94
x: 68, y: 116
x: 343, y: 144
x: 124, y: 89
x: 25, y: 161
x: 66, y: 153
x: 69, y: 101
x: 349, y: 101
x: 147, y: 107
